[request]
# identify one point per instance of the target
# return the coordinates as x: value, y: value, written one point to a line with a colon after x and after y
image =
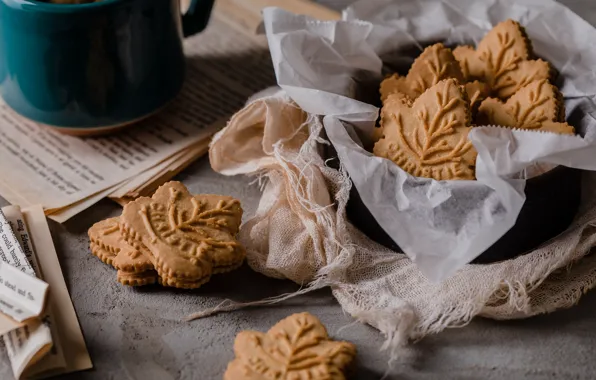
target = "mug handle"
x: 196, y: 17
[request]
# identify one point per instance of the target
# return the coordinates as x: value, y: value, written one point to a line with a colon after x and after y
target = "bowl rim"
x: 36, y: 6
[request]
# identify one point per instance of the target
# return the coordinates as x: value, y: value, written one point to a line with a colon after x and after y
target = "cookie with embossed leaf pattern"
x: 296, y: 348
x: 538, y: 106
x: 477, y: 91
x: 188, y: 237
x: 106, y: 242
x: 503, y: 59
x: 434, y: 64
x: 429, y: 137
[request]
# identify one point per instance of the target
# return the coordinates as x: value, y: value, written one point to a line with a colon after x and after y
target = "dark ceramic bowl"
x: 552, y: 200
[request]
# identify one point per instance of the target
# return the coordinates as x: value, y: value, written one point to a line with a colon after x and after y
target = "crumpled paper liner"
x: 440, y: 225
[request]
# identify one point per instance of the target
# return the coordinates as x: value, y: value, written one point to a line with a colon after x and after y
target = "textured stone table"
x: 136, y: 334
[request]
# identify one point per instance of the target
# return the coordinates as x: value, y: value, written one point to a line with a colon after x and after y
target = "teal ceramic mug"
x: 89, y: 68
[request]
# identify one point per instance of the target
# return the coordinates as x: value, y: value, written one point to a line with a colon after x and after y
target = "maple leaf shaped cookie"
x: 503, y: 60
x: 434, y: 64
x: 429, y: 138
x: 188, y: 237
x: 477, y: 91
x: 537, y: 106
x: 296, y: 348
x: 106, y: 242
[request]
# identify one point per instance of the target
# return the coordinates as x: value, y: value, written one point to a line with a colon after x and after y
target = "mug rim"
x: 36, y: 5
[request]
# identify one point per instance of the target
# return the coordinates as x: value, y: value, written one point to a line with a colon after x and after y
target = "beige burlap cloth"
x: 300, y: 232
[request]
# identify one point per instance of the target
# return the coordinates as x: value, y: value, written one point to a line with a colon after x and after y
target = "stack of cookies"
x: 427, y: 114
x: 174, y: 238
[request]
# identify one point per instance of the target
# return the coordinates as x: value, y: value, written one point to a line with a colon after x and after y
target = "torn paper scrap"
x: 22, y: 297
x: 11, y: 251
x: 27, y: 345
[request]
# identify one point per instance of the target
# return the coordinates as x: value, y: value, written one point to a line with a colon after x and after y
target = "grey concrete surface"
x: 137, y: 334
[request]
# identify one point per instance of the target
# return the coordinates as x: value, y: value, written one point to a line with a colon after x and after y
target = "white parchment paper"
x: 440, y: 225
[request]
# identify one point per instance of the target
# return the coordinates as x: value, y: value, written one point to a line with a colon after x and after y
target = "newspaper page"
x: 8, y: 324
x: 137, y: 186
x: 63, y: 214
x: 174, y: 162
x: 11, y: 196
x: 22, y: 295
x: 54, y: 358
x: 130, y: 186
x: 62, y: 310
x: 27, y: 345
x: 148, y: 187
x: 55, y: 170
x: 42, y: 166
x: 11, y: 251
x: 36, y: 349
x: 22, y: 298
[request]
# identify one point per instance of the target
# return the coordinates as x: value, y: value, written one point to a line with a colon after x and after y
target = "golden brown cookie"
x: 105, y: 240
x: 396, y: 97
x: 187, y: 237
x: 434, y: 64
x: 133, y: 267
x: 430, y: 138
x: 138, y: 279
x: 297, y: 347
x: 128, y: 277
x: 537, y: 106
x: 503, y: 59
x: 477, y: 91
x: 181, y: 283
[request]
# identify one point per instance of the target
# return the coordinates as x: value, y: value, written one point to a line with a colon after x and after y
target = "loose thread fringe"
x: 229, y: 305
x: 396, y: 326
x: 298, y: 169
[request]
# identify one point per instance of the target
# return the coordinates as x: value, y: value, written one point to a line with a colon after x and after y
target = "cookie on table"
x: 134, y: 267
x: 297, y: 347
x: 429, y: 137
x: 538, y: 106
x: 504, y: 60
x: 106, y: 242
x: 188, y: 238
